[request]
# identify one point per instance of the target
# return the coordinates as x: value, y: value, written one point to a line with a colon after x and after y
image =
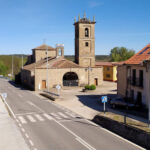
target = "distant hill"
x: 97, y: 57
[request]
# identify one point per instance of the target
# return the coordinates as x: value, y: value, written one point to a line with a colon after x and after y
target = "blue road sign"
x: 104, y: 99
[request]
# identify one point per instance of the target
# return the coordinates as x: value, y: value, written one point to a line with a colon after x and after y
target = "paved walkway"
x: 10, y: 136
x: 86, y: 104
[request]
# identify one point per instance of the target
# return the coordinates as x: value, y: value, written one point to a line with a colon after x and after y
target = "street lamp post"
x: 47, y: 68
x: 89, y: 69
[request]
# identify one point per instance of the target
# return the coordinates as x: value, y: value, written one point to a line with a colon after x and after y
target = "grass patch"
x: 131, y: 122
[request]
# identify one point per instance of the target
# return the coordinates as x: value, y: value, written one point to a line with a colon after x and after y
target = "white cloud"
x: 93, y: 4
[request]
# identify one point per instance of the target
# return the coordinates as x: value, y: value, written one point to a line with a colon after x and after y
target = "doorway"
x: 43, y: 84
x: 96, y: 81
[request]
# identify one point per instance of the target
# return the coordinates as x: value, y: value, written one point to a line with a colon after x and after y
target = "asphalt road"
x: 49, y: 126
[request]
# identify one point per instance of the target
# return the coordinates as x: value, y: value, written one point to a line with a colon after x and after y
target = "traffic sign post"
x: 104, y: 100
x: 4, y: 95
x: 58, y: 87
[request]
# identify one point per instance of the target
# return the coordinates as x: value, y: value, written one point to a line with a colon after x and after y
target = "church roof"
x: 53, y: 62
x: 44, y: 47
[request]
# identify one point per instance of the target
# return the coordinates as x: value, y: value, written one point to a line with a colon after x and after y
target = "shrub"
x: 92, y: 87
x: 87, y: 87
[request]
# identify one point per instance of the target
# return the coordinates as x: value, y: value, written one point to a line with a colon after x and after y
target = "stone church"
x: 47, y: 67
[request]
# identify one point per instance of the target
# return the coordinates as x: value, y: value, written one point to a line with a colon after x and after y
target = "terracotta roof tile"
x: 139, y: 57
x: 44, y: 47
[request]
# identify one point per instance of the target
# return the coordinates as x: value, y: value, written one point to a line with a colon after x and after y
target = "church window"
x: 86, y: 44
x: 86, y: 32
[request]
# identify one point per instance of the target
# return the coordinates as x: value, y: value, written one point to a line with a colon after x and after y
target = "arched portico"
x: 70, y: 79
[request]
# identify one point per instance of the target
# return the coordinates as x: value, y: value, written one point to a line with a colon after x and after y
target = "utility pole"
x: 22, y: 61
x: 89, y: 69
x: 47, y: 68
x: 12, y: 66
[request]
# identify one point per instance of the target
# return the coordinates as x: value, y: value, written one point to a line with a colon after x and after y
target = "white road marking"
x: 31, y: 142
x: 39, y: 117
x: 100, y: 127
x: 22, y: 129
x: 71, y: 114
x: 29, y: 113
x: 63, y: 115
x: 32, y: 104
x: 85, y: 144
x: 31, y: 118
x: 56, y: 116
x: 9, y: 108
x: 22, y: 120
x: 26, y: 135
x: 47, y: 116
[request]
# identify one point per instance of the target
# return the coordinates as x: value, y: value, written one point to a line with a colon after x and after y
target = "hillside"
x: 6, y: 64
x: 97, y: 57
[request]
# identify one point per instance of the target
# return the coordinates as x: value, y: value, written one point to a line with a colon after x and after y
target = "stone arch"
x: 70, y: 79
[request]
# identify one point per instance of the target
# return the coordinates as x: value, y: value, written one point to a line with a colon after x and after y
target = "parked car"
x: 121, y: 102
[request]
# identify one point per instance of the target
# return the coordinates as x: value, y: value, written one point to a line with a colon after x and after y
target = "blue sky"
x: 24, y: 24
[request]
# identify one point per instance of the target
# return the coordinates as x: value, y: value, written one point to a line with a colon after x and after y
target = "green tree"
x: 3, y: 69
x: 121, y: 54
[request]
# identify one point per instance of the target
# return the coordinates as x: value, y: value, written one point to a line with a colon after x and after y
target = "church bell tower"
x: 85, y: 42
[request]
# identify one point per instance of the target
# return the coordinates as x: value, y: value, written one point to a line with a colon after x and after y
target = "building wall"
x: 125, y: 88
x: 41, y: 54
x: 83, y: 75
x: 137, y: 89
x: 110, y: 73
x: 27, y: 79
x: 114, y: 73
x: 85, y: 55
x: 121, y: 80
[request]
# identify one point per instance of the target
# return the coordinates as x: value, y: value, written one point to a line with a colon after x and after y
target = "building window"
x: 86, y: 44
x: 141, y: 78
x: 134, y: 77
x: 86, y: 32
x: 108, y: 68
x: 108, y: 75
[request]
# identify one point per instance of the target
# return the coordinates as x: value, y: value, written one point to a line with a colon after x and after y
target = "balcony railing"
x: 135, y: 82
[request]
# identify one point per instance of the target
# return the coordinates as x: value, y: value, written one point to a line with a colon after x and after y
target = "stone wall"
x: 27, y: 79
x: 85, y: 55
x: 133, y: 134
x: 41, y: 54
x: 56, y: 76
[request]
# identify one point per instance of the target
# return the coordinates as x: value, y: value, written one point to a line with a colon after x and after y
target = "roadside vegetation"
x: 121, y: 54
x: 90, y: 87
x: 131, y: 122
x: 6, y: 64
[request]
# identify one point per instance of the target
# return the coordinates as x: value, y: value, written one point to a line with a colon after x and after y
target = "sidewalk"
x: 10, y: 136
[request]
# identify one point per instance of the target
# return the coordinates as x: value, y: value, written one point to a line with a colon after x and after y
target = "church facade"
x: 47, y: 67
